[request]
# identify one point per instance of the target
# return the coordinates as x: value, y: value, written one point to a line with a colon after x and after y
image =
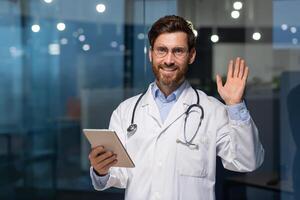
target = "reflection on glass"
x: 35, y: 28
x: 100, y: 8
x: 65, y: 65
x: 61, y: 26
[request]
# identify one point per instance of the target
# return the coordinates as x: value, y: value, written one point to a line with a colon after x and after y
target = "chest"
x: 168, y: 142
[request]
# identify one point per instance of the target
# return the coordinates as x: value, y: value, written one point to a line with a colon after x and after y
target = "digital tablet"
x: 111, y: 142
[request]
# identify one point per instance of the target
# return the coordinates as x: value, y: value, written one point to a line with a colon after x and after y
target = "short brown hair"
x: 171, y: 24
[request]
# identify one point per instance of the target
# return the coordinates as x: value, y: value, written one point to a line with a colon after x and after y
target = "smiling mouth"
x: 169, y: 69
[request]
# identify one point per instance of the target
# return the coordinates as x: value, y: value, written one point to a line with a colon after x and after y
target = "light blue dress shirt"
x: 237, y: 112
x: 164, y: 103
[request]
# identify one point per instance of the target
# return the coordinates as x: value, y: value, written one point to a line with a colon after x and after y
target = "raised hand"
x: 233, y: 89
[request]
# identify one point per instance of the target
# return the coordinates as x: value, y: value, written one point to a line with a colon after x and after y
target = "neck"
x: 168, y: 89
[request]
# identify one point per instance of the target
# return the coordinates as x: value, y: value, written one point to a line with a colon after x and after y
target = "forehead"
x: 172, y: 40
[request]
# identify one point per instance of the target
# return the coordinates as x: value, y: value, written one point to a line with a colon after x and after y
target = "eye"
x: 178, y: 51
x: 161, y: 50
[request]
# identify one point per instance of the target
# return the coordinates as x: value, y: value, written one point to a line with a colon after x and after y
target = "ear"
x: 192, y: 55
x: 150, y: 54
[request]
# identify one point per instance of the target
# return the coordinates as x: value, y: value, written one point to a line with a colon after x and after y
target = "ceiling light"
x: 284, y: 27
x: 141, y: 36
x: 54, y: 49
x: 293, y: 29
x: 15, y: 52
x: 86, y: 47
x: 81, y: 38
x: 238, y: 5
x: 256, y: 36
x: 35, y: 28
x: 214, y: 38
x: 295, y: 41
x: 61, y: 26
x: 235, y: 14
x: 64, y: 41
x: 113, y: 44
x: 48, y: 1
x: 100, y: 8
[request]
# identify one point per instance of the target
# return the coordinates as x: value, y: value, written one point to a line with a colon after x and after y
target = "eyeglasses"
x: 178, y: 52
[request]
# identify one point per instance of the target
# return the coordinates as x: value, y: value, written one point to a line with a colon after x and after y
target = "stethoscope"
x: 133, y: 127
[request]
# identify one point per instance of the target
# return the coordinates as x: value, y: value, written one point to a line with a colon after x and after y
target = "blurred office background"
x: 66, y: 64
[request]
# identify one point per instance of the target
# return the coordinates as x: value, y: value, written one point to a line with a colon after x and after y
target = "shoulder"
x: 127, y: 105
x: 131, y: 100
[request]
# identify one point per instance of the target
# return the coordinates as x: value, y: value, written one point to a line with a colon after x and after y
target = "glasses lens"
x: 161, y: 51
x: 178, y: 52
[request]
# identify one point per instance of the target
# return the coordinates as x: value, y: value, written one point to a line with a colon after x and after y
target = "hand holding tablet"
x: 111, y: 142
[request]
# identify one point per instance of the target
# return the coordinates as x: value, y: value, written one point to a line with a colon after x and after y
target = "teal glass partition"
x: 65, y: 65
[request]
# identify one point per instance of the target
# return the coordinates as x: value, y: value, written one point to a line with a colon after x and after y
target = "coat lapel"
x: 179, y: 108
x: 149, y: 104
x: 187, y: 98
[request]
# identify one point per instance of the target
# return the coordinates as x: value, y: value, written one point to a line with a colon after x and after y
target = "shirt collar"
x: 157, y: 93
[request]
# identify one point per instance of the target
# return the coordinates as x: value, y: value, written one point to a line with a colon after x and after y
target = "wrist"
x: 97, y: 173
x: 231, y: 103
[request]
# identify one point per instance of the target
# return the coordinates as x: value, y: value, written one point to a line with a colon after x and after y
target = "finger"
x: 219, y: 81
x: 96, y: 151
x: 246, y: 74
x: 104, y: 170
x: 236, y: 67
x: 242, y: 67
x: 103, y: 157
x: 230, y: 69
x: 106, y: 162
x: 109, y: 165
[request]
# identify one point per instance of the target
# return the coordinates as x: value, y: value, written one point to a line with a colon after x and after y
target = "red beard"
x: 169, y: 75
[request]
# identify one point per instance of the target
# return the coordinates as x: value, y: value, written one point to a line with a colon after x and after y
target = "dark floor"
x: 60, y: 194
x: 76, y: 188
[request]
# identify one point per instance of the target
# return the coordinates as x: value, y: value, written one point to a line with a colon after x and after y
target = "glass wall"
x: 66, y: 64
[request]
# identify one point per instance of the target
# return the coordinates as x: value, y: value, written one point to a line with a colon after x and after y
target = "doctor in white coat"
x: 175, y: 151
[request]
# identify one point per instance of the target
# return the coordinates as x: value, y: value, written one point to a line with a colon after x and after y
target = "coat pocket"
x: 192, y: 162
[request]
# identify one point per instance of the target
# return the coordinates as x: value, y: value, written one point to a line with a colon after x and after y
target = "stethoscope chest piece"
x: 131, y: 129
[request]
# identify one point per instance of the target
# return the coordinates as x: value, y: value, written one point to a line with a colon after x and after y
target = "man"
x: 175, y: 153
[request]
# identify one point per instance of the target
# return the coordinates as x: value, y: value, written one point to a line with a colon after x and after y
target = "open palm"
x: 233, y: 89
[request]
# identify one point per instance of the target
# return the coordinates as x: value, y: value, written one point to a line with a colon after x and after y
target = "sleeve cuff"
x: 238, y: 112
x: 102, y: 180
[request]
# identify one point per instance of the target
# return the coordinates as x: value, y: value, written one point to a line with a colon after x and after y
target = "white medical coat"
x: 169, y: 170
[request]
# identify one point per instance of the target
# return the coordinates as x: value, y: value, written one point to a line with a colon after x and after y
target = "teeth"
x: 169, y: 69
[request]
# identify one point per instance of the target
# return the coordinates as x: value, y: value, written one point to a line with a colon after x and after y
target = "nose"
x: 169, y: 59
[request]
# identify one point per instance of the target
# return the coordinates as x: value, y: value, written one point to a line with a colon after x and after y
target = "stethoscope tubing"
x: 133, y: 127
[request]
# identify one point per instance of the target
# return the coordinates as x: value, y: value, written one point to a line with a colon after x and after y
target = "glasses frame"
x: 173, y: 51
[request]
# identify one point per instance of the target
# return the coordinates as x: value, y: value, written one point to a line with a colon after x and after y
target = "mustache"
x: 167, y: 66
